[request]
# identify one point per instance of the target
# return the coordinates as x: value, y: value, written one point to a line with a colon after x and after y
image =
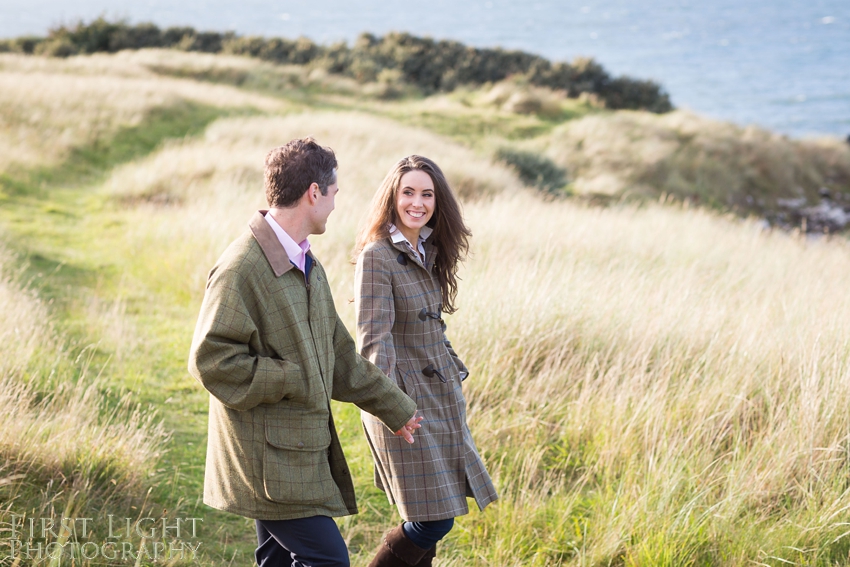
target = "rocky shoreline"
x: 830, y: 215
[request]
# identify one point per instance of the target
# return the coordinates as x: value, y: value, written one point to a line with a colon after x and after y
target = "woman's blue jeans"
x: 427, y: 534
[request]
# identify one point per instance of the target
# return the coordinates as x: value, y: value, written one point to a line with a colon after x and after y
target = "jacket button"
x: 300, y: 444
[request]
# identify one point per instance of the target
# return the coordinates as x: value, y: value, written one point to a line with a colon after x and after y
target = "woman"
x: 408, y: 254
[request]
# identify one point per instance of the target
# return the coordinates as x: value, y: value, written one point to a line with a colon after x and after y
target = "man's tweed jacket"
x: 272, y: 352
x: 399, y: 329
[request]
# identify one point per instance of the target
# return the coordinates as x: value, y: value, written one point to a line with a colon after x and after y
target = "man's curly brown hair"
x: 291, y: 169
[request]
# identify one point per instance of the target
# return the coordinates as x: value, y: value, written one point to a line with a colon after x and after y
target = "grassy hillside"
x: 726, y: 167
x: 651, y: 384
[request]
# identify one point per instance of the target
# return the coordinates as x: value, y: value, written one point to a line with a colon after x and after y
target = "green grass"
x: 87, y: 163
x: 465, y: 118
x: 668, y: 389
x: 69, y: 239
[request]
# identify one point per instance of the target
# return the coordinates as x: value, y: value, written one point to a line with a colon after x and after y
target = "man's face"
x: 322, y: 209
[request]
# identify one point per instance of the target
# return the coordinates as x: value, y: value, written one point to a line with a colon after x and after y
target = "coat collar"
x: 430, y: 252
x: 272, y: 248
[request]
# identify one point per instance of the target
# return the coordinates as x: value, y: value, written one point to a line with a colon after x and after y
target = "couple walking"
x: 272, y: 351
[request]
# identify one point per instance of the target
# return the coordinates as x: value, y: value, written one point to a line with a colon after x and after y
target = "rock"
x: 792, y: 203
x: 827, y: 216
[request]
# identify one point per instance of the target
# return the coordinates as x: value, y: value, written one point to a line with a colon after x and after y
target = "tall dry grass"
x: 65, y: 447
x: 25, y: 329
x: 49, y: 106
x: 650, y: 386
x: 246, y: 72
x: 656, y: 386
x: 193, y: 197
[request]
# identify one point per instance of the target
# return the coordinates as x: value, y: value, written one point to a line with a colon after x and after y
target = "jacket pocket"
x: 295, y: 465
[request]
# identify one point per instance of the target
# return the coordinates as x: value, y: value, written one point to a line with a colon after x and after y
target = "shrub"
x: 26, y: 44
x: 535, y: 170
x: 420, y: 62
x: 252, y: 46
x: 135, y: 37
x: 87, y: 38
x: 633, y: 94
x: 337, y: 59
x: 57, y: 47
x: 174, y: 35
x: 585, y: 75
x: 278, y: 50
x: 206, y: 42
x: 283, y: 51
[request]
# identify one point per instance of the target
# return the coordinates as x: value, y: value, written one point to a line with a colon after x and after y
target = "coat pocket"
x: 463, y: 371
x: 295, y: 465
x: 405, y: 379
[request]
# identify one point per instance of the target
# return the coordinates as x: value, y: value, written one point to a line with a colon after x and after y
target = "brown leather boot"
x: 396, y: 550
x: 427, y: 558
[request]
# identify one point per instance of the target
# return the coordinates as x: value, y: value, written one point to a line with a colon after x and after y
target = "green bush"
x: 135, y: 37
x: 26, y: 44
x: 174, y: 35
x: 87, y: 38
x: 251, y: 46
x: 206, y: 42
x: 420, y: 62
x: 535, y: 170
x: 634, y: 94
x: 56, y: 47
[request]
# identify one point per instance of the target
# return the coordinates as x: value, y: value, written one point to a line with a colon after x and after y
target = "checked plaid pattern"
x: 430, y: 479
x: 272, y: 353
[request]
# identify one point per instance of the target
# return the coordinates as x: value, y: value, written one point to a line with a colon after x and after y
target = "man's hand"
x: 409, y: 428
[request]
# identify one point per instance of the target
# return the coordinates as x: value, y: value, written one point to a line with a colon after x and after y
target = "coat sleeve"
x: 224, y: 354
x: 358, y: 381
x: 373, y: 303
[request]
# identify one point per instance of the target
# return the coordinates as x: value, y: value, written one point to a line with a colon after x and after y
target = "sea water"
x: 779, y: 64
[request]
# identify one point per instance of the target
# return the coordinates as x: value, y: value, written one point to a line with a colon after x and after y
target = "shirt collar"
x: 397, y: 236
x: 297, y: 252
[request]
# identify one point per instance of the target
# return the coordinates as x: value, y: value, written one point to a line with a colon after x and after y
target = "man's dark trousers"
x: 305, y: 542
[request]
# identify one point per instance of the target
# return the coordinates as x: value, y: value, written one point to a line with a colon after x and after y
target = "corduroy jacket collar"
x: 272, y: 248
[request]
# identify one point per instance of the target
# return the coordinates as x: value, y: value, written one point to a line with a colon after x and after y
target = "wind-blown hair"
x: 450, y: 236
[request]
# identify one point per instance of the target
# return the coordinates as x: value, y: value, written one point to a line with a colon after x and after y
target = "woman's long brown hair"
x: 450, y: 236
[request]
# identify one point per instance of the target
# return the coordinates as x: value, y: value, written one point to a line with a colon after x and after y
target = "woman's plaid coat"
x: 399, y: 329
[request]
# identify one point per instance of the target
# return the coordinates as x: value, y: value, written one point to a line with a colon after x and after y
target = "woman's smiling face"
x: 415, y: 203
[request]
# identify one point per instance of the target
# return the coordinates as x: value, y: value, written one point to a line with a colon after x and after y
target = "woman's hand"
x: 409, y: 428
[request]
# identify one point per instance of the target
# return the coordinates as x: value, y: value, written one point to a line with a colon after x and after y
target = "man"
x: 272, y: 352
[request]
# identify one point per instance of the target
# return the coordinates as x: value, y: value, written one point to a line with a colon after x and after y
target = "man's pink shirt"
x: 297, y: 252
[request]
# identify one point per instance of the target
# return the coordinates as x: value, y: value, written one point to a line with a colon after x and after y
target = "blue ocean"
x: 780, y: 64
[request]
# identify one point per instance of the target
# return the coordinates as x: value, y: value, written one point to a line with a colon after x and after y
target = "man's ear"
x: 313, y: 193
